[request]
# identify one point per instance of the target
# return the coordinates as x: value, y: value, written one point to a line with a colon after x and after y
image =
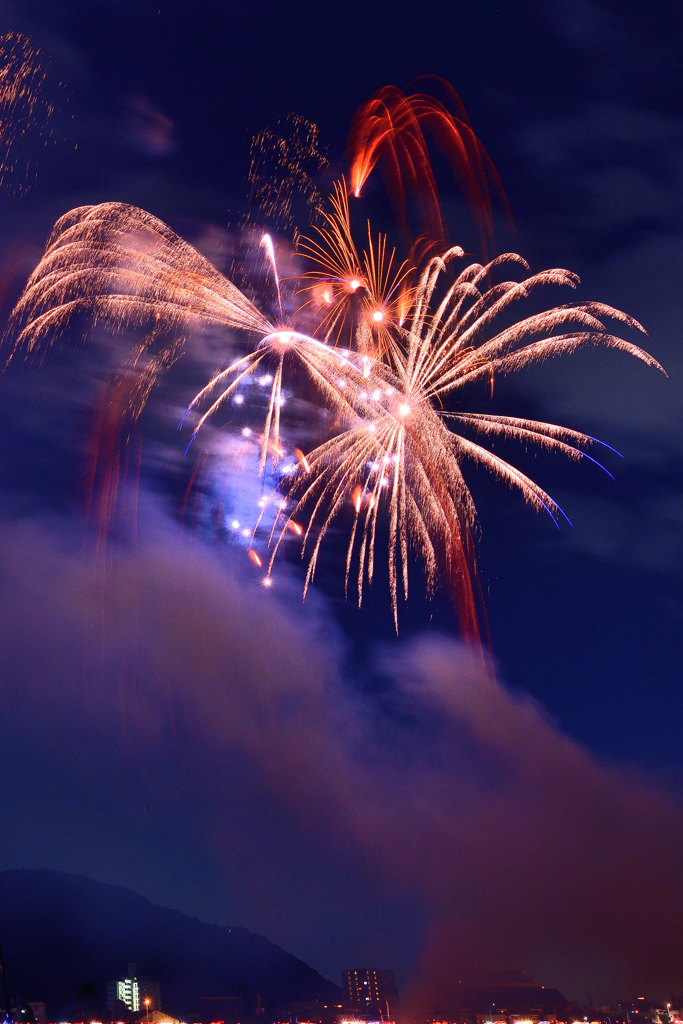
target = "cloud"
x: 608, y: 170
x: 647, y: 533
x: 612, y: 38
x: 148, y: 128
x: 605, y: 172
x: 170, y: 723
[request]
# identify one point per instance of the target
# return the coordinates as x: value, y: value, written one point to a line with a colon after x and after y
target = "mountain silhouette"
x: 65, y: 935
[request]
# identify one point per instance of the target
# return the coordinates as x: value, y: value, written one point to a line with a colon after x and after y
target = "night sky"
x: 170, y: 726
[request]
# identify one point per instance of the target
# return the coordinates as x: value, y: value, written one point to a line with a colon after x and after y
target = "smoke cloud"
x: 251, y: 778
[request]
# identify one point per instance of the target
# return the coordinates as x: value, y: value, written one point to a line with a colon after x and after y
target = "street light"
x: 147, y: 1002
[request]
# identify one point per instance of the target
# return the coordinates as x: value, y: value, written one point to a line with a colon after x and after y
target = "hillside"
x: 60, y: 932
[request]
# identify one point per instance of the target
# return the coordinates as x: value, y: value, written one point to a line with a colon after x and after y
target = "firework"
x: 401, y: 457
x: 121, y: 265
x: 363, y: 297
x: 355, y: 298
x: 397, y: 453
x: 391, y: 130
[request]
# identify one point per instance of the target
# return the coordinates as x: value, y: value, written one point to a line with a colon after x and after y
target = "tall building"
x: 371, y: 993
x: 134, y: 992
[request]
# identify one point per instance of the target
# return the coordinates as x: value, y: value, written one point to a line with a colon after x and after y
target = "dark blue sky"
x: 579, y: 105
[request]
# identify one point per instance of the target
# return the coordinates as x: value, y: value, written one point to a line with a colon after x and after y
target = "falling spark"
x: 286, y: 159
x: 25, y: 111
